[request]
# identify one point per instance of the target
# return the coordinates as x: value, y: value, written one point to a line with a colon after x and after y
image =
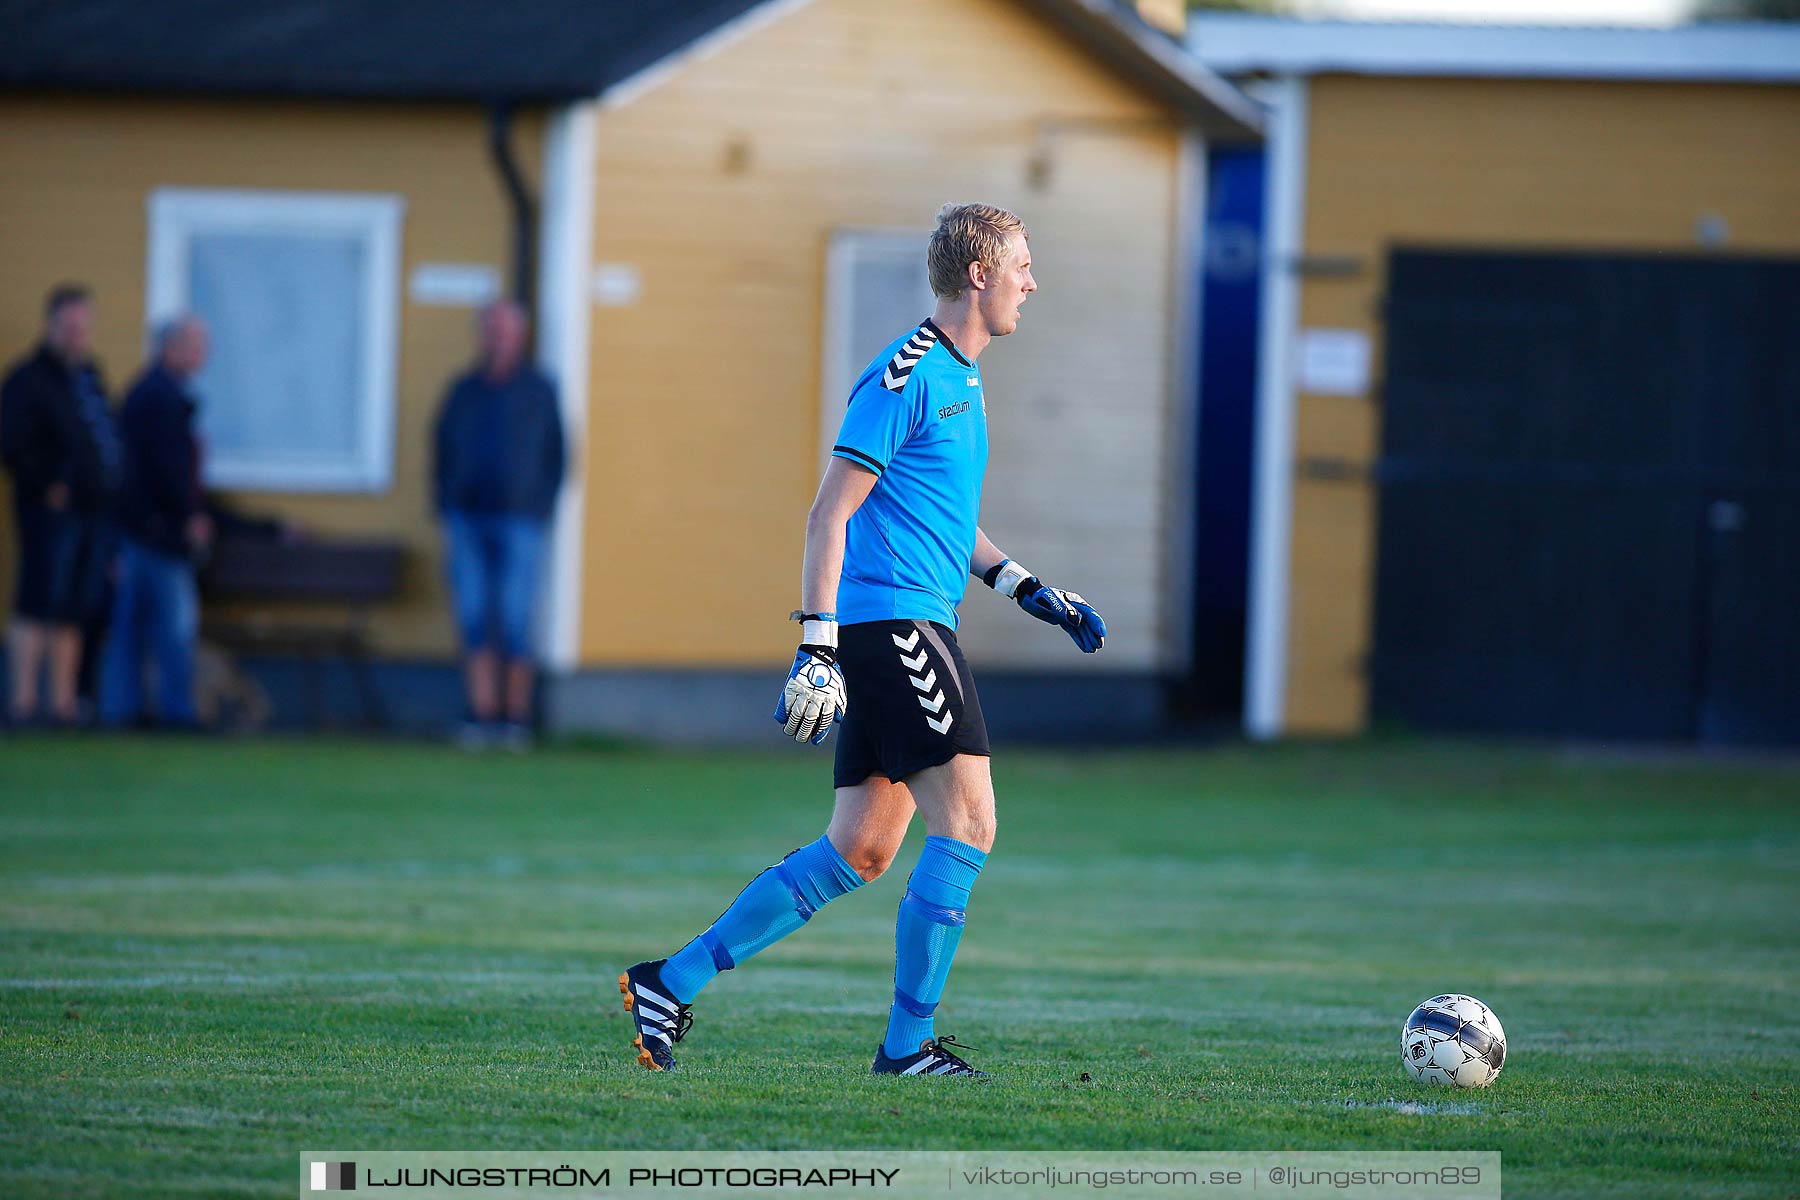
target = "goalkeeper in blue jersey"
x: 890, y: 543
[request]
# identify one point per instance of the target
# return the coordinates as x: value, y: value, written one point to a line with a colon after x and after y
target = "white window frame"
x: 836, y: 375
x: 177, y: 214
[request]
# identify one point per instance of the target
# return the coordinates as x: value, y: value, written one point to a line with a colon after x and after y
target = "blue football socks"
x: 777, y: 902
x: 925, y: 938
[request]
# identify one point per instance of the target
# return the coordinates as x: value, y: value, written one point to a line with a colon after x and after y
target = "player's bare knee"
x: 972, y: 824
x: 870, y: 861
x: 978, y: 818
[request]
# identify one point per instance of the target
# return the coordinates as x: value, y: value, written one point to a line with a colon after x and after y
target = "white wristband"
x: 1010, y: 577
x: 818, y: 633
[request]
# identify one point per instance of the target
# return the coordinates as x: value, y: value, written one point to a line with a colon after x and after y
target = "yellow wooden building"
x: 1648, y: 141
x: 724, y: 206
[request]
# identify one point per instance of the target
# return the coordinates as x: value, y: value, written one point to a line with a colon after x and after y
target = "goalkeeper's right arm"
x: 812, y: 699
x: 841, y: 492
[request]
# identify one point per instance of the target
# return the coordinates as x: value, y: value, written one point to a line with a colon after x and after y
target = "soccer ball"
x: 1454, y: 1041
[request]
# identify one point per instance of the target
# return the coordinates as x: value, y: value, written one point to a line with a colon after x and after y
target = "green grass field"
x: 220, y: 954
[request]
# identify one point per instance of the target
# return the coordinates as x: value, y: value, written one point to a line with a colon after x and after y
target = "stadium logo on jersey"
x: 900, y: 367
x: 953, y: 410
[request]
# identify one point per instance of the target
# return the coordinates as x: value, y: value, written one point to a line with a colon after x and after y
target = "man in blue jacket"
x: 58, y: 442
x: 156, y: 608
x: 499, y: 466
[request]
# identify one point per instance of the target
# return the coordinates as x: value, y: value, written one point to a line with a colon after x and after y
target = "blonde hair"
x: 967, y: 233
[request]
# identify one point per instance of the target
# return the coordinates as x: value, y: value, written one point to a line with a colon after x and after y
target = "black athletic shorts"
x: 64, y: 557
x: 912, y: 701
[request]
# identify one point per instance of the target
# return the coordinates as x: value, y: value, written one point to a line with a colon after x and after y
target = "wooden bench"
x: 308, y: 598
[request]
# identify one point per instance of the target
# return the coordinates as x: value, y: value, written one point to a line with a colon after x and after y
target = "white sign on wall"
x: 616, y: 285
x: 453, y: 285
x: 1334, y: 362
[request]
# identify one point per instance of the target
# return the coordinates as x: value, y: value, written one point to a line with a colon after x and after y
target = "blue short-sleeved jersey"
x: 916, y: 419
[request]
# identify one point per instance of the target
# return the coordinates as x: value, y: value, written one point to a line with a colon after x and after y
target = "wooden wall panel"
x: 1527, y: 163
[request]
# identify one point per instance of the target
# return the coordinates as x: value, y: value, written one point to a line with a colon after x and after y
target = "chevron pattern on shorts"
x: 931, y: 696
x: 908, y: 356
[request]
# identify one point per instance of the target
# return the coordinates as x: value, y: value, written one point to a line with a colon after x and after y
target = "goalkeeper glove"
x: 1052, y: 605
x: 813, y: 698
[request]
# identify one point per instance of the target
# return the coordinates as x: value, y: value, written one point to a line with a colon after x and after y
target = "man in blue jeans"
x: 499, y: 466
x: 156, y: 608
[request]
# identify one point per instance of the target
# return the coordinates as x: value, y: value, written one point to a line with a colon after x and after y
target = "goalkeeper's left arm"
x: 1052, y: 605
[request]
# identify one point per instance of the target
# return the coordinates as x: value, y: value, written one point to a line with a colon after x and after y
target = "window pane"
x: 286, y: 314
x: 876, y: 291
x: 889, y: 296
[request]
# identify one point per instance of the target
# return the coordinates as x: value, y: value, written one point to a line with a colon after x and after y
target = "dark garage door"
x: 1590, y: 497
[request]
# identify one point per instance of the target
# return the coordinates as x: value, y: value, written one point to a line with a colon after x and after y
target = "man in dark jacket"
x: 57, y: 439
x: 156, y: 609
x: 499, y: 467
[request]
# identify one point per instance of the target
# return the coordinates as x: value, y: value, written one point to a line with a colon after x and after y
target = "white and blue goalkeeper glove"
x: 1051, y: 605
x: 813, y: 700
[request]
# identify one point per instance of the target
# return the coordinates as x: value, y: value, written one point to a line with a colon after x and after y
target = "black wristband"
x: 822, y: 653
x: 992, y: 575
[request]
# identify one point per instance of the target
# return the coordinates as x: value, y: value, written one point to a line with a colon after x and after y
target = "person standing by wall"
x: 156, y: 608
x: 500, y: 462
x: 58, y: 440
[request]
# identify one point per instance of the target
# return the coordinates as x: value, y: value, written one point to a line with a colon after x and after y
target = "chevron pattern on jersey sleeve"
x: 907, y: 357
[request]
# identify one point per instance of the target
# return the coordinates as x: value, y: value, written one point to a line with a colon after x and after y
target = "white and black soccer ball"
x: 1453, y: 1040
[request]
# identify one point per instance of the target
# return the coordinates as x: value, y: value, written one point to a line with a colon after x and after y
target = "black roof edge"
x: 61, y: 52
x: 1119, y: 36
